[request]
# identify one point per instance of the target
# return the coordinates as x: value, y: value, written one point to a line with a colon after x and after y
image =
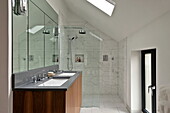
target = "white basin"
x: 54, y: 82
x: 67, y: 74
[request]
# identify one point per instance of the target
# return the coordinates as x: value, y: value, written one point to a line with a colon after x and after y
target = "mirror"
x: 20, y: 62
x: 51, y: 39
x: 35, y: 37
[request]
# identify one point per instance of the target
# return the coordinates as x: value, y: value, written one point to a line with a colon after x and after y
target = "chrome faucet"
x: 42, y: 76
x: 39, y: 77
x: 59, y: 71
x: 34, y: 79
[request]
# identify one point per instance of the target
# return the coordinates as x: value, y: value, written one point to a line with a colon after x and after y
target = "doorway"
x: 148, y: 73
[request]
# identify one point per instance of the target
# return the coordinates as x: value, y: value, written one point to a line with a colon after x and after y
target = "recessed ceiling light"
x: 106, y: 6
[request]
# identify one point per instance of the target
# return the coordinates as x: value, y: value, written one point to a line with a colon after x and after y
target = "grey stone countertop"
x: 34, y: 86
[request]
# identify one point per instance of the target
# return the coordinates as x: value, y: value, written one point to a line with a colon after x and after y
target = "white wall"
x: 154, y: 35
x: 66, y: 17
x: 135, y: 81
x: 59, y: 7
x: 5, y: 75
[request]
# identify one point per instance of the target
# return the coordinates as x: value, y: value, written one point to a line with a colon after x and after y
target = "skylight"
x: 106, y: 6
x: 35, y: 29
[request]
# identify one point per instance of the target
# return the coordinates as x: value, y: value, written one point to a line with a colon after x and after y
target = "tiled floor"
x: 91, y: 100
x: 108, y: 104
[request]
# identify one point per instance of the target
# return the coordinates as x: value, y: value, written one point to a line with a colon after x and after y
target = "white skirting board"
x: 132, y: 111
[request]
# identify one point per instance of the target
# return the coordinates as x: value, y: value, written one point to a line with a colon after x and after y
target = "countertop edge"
x: 64, y: 87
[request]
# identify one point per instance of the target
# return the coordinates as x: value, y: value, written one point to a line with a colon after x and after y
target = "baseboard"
x: 132, y: 111
x: 136, y: 111
x: 128, y: 108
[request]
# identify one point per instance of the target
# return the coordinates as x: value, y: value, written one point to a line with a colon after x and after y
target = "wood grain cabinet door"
x: 74, y: 97
x: 49, y: 101
x: 39, y: 102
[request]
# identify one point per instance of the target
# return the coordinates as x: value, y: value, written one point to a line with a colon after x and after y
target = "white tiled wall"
x: 108, y: 69
x: 122, y: 68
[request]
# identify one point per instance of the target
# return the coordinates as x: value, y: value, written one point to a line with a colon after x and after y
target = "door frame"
x: 153, y: 77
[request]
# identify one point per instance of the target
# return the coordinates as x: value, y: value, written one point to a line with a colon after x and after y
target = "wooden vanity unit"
x: 49, y: 101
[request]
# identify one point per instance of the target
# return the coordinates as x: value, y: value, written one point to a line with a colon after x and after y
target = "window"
x: 107, y: 6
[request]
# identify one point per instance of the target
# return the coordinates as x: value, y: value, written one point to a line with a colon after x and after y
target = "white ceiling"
x: 128, y: 17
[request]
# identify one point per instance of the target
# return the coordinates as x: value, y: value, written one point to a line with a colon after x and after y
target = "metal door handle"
x: 152, y: 88
x: 149, y: 87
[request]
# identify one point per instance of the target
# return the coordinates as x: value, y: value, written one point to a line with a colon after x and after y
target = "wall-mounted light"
x: 19, y: 7
x: 82, y: 31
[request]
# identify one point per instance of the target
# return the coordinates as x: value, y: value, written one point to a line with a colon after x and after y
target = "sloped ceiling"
x: 128, y: 17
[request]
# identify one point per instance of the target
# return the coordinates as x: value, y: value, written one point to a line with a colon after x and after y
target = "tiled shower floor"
x: 108, y: 104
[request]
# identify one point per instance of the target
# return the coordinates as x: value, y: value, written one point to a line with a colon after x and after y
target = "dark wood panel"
x: 18, y: 102
x: 60, y: 102
x: 28, y: 102
x: 39, y: 102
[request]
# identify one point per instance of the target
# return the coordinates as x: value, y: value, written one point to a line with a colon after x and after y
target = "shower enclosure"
x: 82, y: 51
